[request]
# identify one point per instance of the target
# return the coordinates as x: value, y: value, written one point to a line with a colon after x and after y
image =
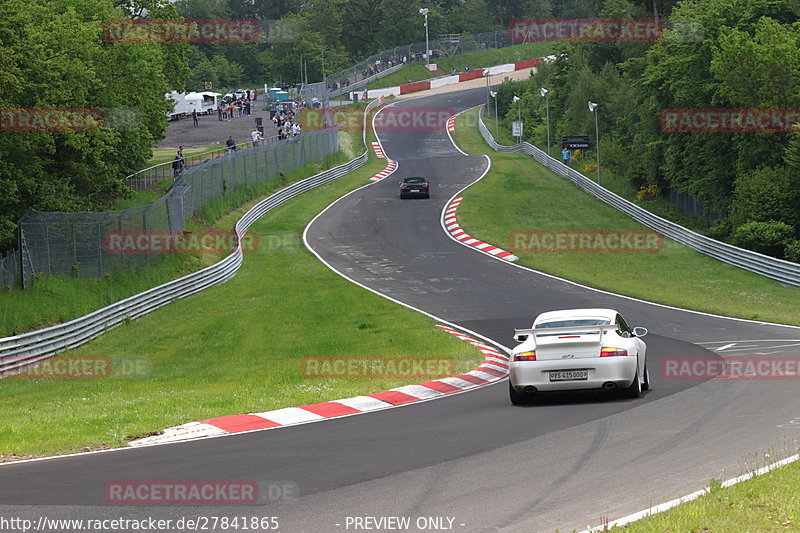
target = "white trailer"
x: 183, y: 104
x: 179, y: 106
x: 204, y: 102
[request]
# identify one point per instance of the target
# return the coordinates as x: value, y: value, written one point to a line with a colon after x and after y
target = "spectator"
x: 178, y: 163
x: 220, y: 107
x: 256, y: 136
x: 565, y: 155
x: 296, y: 129
x: 195, y: 119
x: 231, y: 144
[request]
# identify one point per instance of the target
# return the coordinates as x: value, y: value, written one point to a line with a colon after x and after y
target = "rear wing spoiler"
x: 521, y: 335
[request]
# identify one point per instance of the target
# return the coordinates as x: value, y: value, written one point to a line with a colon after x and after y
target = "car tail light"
x: 425, y: 185
x: 525, y: 356
x: 612, y: 352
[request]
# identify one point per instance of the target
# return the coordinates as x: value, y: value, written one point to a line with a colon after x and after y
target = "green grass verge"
x: 53, y: 300
x: 410, y: 73
x: 519, y: 194
x: 414, y: 72
x: 766, y: 504
x: 163, y: 155
x: 662, y: 207
x: 234, y: 348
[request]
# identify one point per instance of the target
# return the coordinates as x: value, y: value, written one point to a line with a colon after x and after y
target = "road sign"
x: 575, y: 142
x: 208, y: 85
x: 516, y: 130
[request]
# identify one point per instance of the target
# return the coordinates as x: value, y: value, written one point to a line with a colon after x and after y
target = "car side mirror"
x: 522, y: 337
x: 640, y: 332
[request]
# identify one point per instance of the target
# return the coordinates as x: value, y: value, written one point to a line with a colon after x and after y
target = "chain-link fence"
x: 146, y: 178
x: 446, y: 45
x: 81, y: 244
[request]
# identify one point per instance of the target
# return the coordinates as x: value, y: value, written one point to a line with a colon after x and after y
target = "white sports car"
x: 578, y: 349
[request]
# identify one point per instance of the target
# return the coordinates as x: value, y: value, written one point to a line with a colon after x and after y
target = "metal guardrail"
x: 22, y: 350
x: 783, y: 271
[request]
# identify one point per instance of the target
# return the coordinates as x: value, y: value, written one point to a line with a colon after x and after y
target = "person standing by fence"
x: 178, y: 163
x: 231, y: 144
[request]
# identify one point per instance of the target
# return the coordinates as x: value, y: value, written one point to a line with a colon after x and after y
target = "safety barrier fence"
x: 21, y: 350
x: 74, y: 244
x: 783, y: 271
x: 148, y: 177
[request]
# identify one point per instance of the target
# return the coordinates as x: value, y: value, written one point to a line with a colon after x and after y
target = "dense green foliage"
x: 331, y: 35
x: 53, y: 55
x: 721, y: 54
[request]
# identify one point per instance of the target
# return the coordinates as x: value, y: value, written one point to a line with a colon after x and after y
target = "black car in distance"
x: 415, y: 186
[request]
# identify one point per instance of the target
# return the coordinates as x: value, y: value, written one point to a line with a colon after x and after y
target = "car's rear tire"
x: 646, y: 384
x: 519, y: 398
x: 635, y: 389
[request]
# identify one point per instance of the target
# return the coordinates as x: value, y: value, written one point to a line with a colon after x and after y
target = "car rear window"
x: 415, y: 180
x: 574, y: 322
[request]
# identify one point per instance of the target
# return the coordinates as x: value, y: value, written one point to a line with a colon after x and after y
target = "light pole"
x: 593, y: 109
x: 496, y: 124
x: 545, y: 92
x: 424, y: 11
x: 517, y: 99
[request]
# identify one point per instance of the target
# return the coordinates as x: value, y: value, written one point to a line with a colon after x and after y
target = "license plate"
x: 415, y: 190
x: 569, y: 375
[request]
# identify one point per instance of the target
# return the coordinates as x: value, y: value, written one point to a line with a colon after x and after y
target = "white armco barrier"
x: 440, y: 82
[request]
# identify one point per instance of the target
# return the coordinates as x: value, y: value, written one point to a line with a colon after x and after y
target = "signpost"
x: 575, y: 142
x: 516, y: 130
x: 208, y: 85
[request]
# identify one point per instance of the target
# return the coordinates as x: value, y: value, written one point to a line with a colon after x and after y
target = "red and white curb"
x: 493, y: 368
x: 391, y: 166
x: 452, y: 226
x: 451, y: 123
x: 378, y: 149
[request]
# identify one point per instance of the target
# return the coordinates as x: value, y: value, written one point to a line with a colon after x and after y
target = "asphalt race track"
x: 563, y: 462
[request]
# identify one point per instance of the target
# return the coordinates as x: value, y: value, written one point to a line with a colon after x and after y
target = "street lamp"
x: 519, y: 115
x: 544, y: 92
x: 496, y: 123
x: 424, y: 11
x: 593, y: 109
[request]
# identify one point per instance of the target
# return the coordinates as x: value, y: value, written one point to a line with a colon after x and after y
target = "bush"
x: 793, y: 251
x: 763, y: 195
x: 649, y: 192
x: 770, y: 238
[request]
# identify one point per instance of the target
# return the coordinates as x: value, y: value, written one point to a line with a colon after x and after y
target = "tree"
x: 54, y: 57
